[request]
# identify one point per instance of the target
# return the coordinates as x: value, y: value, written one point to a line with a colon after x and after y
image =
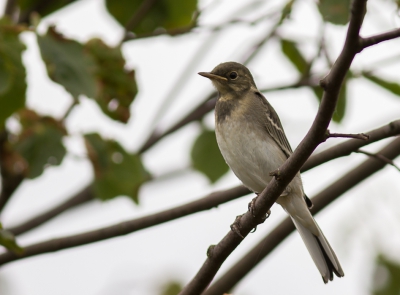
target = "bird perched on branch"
x: 253, y: 144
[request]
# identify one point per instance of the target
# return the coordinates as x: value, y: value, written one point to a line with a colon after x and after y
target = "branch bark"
x: 373, y: 40
x: 123, y: 228
x: 331, y: 85
x: 286, y: 227
x: 80, y: 198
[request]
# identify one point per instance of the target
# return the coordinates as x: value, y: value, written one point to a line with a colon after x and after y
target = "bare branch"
x: 379, y: 157
x: 80, y: 198
x: 288, y: 170
x: 123, y: 228
x: 369, y: 41
x: 347, y: 147
x: 286, y: 227
x: 361, y: 136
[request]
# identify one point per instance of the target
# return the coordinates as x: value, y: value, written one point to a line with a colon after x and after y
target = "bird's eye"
x: 233, y: 75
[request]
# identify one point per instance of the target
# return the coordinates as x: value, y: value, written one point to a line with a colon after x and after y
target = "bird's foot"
x: 235, y: 226
x: 253, y: 212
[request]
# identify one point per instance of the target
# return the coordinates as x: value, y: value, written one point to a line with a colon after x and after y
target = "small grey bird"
x: 253, y: 144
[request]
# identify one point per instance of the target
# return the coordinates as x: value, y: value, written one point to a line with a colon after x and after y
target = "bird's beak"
x: 212, y: 76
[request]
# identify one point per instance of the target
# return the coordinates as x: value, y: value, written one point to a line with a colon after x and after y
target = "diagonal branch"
x: 286, y: 227
x: 379, y: 157
x: 331, y: 84
x: 123, y: 228
x: 80, y: 198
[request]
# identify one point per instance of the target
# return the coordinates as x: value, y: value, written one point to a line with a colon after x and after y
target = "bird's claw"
x: 251, y: 207
x: 235, y: 226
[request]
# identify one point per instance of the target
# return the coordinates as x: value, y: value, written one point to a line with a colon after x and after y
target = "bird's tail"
x: 321, y: 252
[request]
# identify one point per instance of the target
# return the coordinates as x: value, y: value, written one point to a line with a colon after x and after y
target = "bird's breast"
x: 249, y: 151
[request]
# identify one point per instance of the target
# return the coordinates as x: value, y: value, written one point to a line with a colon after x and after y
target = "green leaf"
x: 335, y: 12
x: 386, y: 277
x: 116, y: 86
x: 166, y: 14
x: 289, y: 48
x: 117, y: 172
x: 393, y: 87
x: 207, y: 158
x: 41, y: 7
x: 67, y: 64
x: 94, y: 69
x: 7, y: 240
x: 40, y: 142
x: 12, y: 71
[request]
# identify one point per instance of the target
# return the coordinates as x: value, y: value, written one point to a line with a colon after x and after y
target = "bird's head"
x: 230, y: 77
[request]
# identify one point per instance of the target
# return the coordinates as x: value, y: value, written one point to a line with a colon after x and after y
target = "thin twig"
x: 74, y: 103
x: 248, y: 262
x: 373, y: 40
x: 379, y: 157
x: 181, y: 81
x: 347, y: 147
x: 361, y: 136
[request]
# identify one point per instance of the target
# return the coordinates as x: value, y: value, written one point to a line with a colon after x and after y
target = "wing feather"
x: 274, y: 127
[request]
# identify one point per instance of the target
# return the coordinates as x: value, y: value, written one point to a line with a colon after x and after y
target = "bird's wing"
x: 274, y: 127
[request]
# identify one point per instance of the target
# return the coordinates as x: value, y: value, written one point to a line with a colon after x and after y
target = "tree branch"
x: 286, y: 227
x: 123, y: 228
x: 379, y: 157
x: 361, y: 136
x: 216, y: 199
x: 80, y: 198
x: 348, y: 147
x: 373, y: 40
x: 331, y: 85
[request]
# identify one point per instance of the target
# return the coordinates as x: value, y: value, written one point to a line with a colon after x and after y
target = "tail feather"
x: 321, y: 252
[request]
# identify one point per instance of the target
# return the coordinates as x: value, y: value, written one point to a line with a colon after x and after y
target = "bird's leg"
x: 235, y: 226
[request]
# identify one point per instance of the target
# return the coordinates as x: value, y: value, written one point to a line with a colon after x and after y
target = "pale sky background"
x: 363, y: 221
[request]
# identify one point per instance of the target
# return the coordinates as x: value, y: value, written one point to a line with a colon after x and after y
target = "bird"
x: 253, y: 143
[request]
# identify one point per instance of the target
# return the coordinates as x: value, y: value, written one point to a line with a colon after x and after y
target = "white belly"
x: 251, y: 153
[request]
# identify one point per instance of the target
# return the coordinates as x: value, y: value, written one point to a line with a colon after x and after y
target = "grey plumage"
x: 253, y: 143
